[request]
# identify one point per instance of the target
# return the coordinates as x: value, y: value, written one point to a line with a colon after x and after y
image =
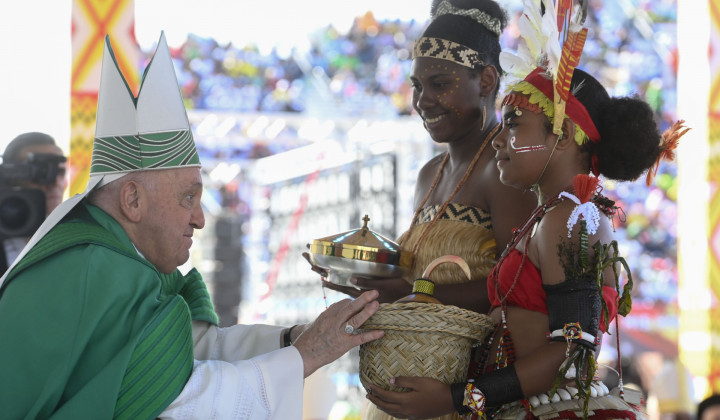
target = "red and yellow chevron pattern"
x: 569, y: 59
x: 91, y: 21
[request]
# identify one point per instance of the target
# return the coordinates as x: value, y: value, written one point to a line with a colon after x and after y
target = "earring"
x: 484, y: 115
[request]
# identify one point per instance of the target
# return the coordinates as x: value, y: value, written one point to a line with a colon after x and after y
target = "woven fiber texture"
x: 421, y: 339
x: 473, y: 242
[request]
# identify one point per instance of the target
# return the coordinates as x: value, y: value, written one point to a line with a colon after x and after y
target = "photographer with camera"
x: 32, y: 184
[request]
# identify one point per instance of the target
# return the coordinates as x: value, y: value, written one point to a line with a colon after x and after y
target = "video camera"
x: 22, y: 209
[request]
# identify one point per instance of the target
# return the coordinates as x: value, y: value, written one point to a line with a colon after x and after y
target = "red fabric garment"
x: 528, y: 292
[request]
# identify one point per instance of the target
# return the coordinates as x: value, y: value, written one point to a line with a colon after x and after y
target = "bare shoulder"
x: 430, y: 168
x: 556, y: 220
x: 552, y: 229
x: 426, y: 176
x: 555, y: 232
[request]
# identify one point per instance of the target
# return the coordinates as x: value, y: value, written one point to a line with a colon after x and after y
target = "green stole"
x: 162, y: 359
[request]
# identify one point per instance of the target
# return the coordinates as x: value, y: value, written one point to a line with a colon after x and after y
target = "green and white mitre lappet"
x: 150, y: 132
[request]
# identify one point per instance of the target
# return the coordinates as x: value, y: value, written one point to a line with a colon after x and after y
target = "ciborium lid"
x: 360, y: 252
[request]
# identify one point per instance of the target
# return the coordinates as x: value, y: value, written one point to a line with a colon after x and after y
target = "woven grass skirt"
x: 421, y: 339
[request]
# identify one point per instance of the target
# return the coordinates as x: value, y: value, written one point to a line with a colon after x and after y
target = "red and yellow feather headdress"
x: 552, y: 40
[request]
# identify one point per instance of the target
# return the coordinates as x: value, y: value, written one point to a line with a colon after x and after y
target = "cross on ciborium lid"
x: 360, y: 252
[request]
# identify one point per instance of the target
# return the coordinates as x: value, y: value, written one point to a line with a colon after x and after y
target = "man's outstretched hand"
x: 324, y: 340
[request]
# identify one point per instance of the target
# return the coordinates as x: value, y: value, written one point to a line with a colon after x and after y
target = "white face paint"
x: 526, y: 148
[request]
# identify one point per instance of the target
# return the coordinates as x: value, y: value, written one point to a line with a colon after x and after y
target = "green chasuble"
x: 91, y: 330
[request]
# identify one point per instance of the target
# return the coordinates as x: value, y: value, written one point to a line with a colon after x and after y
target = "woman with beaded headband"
x: 461, y: 206
x: 555, y: 289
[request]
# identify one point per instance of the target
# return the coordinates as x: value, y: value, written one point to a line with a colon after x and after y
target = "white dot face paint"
x: 525, y: 149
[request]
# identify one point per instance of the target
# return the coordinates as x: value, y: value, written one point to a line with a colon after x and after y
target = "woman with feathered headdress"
x: 556, y: 288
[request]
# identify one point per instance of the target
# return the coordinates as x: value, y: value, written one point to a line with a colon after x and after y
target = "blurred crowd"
x: 631, y: 48
x: 363, y: 71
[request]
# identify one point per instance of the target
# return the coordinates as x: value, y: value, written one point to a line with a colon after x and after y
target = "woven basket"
x: 421, y: 339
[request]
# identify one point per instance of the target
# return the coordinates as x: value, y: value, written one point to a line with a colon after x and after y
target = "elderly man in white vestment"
x: 98, y: 322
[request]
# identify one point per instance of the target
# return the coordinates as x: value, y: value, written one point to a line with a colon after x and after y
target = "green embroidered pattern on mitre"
x: 148, y: 151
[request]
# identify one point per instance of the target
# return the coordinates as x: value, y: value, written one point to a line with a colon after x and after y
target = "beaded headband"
x: 490, y: 23
x: 540, y: 89
x: 446, y: 50
x: 521, y: 102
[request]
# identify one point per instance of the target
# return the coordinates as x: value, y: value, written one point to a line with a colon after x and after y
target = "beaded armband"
x: 574, y: 309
